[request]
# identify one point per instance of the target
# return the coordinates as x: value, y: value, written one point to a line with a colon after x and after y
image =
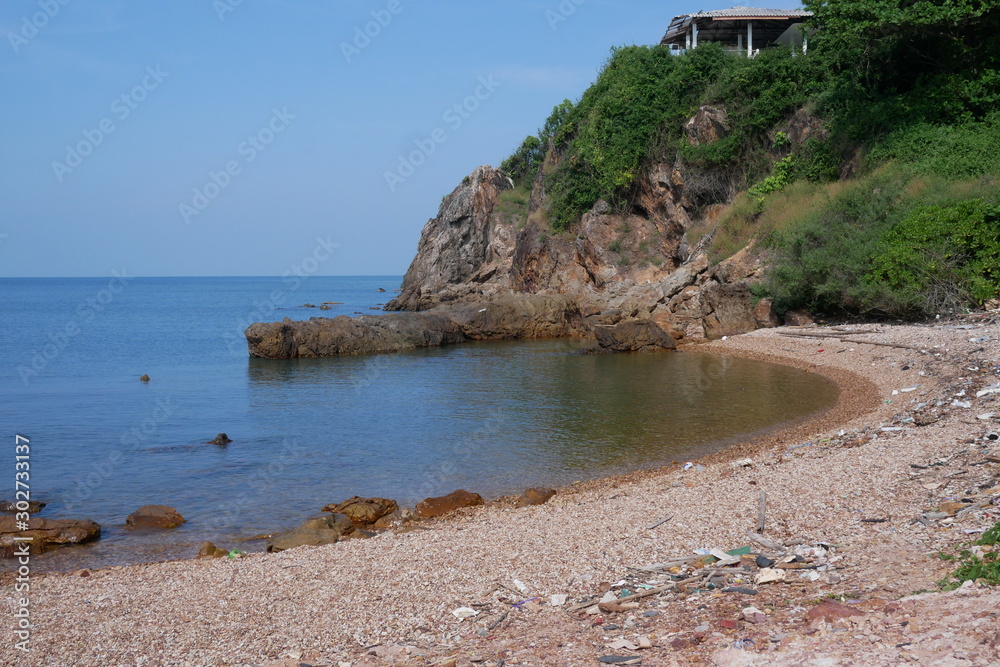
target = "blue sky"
x: 228, y: 137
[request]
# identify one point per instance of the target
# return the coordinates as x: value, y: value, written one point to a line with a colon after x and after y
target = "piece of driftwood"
x: 973, y: 506
x: 498, y: 621
x: 660, y: 522
x: 761, y: 510
x: 666, y: 565
x: 992, y: 459
x: 763, y: 541
x: 843, y: 339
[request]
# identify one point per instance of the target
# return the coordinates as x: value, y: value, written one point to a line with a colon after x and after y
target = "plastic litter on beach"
x: 463, y: 613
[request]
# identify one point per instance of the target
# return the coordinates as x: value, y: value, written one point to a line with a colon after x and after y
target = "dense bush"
x: 953, y: 151
x: 892, y: 243
x: 941, y: 258
x: 641, y: 93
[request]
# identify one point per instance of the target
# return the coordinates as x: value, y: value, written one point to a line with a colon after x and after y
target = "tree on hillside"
x: 935, y: 60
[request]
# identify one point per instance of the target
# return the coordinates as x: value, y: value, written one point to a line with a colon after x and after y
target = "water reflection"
x: 552, y: 414
x: 489, y: 417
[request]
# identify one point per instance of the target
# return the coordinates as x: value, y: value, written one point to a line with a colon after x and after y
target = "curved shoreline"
x: 858, y: 397
x: 736, y: 446
x: 335, y: 604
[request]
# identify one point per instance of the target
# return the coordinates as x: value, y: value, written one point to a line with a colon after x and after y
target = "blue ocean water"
x: 489, y: 417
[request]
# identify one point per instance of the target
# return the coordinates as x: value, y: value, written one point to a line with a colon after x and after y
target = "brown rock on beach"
x: 439, y: 506
x: 363, y: 511
x: 326, y: 529
x: 831, y: 610
x: 535, y: 496
x: 209, y: 550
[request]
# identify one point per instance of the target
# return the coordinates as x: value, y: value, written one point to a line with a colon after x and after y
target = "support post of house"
x: 739, y: 42
x: 805, y: 41
x: 687, y: 39
x: 694, y: 35
x: 749, y: 39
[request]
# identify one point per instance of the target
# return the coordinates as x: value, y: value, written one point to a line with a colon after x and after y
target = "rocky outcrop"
x: 632, y: 336
x: 528, y: 316
x: 432, y: 507
x: 366, y: 334
x: 707, y: 126
x: 363, y: 511
x: 154, y: 517
x: 480, y: 269
x: 616, y: 264
x: 765, y: 315
x: 463, y: 252
x: 317, y: 531
x: 45, y: 534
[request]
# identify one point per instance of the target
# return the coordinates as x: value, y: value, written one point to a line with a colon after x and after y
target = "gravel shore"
x: 853, y: 481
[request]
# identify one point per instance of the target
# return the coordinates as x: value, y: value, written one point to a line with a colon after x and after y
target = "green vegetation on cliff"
x: 891, y: 209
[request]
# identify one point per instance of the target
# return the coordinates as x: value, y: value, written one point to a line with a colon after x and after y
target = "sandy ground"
x: 843, y: 492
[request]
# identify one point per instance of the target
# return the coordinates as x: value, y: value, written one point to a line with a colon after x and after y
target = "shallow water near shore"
x: 493, y: 418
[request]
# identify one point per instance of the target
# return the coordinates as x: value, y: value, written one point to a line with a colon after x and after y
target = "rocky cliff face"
x: 488, y: 267
x: 615, y: 265
x: 464, y: 252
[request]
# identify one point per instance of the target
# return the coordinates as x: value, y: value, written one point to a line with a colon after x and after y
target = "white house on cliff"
x: 739, y: 29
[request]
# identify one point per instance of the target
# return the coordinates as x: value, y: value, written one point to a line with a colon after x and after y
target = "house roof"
x: 716, y: 24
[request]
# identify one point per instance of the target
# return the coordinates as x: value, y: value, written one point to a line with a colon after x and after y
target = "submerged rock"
x: 441, y: 505
x: 154, y: 517
x: 143, y: 378
x: 222, y: 440
x: 10, y: 506
x: 46, y: 533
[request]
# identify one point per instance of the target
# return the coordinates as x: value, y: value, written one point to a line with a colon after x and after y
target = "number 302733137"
x: 22, y: 478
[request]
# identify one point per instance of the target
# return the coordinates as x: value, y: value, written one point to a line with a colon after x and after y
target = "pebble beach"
x: 861, y: 490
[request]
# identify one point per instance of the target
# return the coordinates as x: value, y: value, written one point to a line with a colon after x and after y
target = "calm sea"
x: 488, y: 417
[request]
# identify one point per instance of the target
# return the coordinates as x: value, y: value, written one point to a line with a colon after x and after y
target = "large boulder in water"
x: 632, y: 336
x: 46, y: 533
x: 154, y: 517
